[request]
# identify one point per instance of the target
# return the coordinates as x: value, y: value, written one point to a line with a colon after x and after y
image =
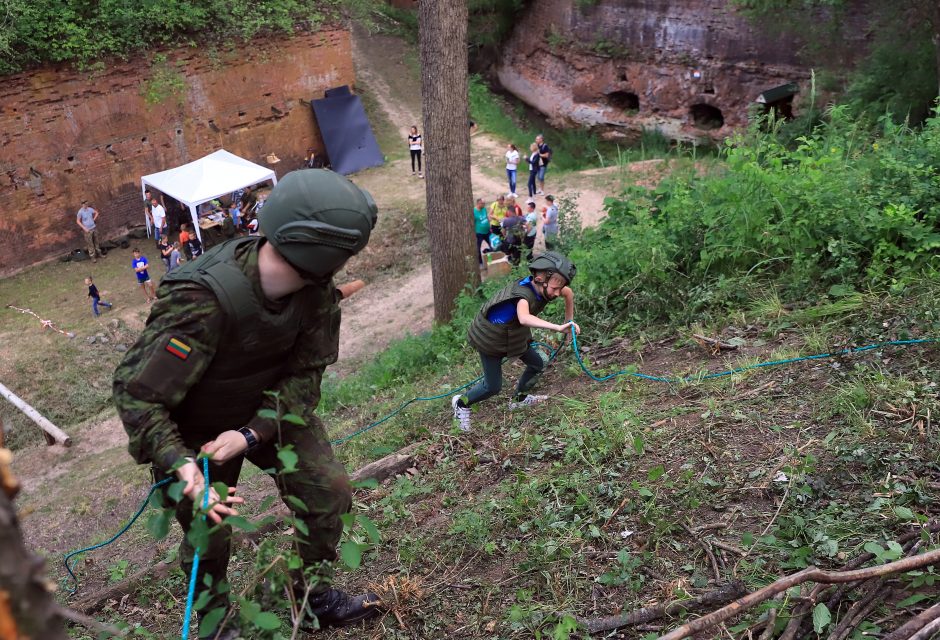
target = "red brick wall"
x: 67, y: 135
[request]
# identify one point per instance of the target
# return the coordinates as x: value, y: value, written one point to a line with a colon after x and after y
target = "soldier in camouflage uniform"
x: 252, y: 315
x: 502, y: 329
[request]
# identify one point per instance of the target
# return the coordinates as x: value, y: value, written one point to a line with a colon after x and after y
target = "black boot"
x: 334, y: 608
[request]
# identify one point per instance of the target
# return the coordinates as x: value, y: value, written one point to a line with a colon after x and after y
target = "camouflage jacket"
x: 185, y: 333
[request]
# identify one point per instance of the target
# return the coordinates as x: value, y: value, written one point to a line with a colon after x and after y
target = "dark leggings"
x: 481, y: 238
x: 492, y: 382
x: 415, y: 154
x: 532, y: 175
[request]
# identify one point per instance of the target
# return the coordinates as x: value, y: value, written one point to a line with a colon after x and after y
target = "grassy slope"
x: 579, y: 505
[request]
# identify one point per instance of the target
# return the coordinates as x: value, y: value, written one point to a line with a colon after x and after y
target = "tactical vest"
x: 256, y: 346
x: 510, y: 339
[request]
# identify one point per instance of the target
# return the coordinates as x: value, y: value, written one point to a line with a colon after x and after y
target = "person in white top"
x: 158, y: 216
x: 415, y: 146
x: 512, y: 161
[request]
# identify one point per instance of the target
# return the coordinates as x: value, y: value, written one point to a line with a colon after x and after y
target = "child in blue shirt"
x: 95, y: 297
x: 502, y: 329
x: 139, y: 264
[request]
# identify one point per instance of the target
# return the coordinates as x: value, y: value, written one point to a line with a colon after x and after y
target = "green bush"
x: 86, y: 31
x: 847, y: 205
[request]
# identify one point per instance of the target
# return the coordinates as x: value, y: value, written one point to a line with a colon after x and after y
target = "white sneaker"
x: 461, y: 414
x: 529, y: 400
x: 539, y: 193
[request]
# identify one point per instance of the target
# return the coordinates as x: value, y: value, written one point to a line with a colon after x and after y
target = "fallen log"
x: 386, y: 467
x: 813, y: 574
x: 52, y: 431
x: 726, y: 592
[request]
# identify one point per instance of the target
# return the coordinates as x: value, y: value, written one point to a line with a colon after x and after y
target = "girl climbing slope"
x: 502, y: 329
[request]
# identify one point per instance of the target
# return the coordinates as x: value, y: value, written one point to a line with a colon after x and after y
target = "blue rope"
x: 117, y: 535
x: 731, y: 372
x: 373, y: 425
x: 192, y: 575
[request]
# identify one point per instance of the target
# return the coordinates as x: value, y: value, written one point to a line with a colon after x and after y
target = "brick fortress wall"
x: 67, y: 135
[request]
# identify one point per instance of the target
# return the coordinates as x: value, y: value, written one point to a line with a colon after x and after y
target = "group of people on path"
x: 505, y: 226
x: 540, y: 156
x: 260, y: 314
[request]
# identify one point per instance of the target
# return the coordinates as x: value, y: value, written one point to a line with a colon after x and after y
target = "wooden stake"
x: 52, y: 431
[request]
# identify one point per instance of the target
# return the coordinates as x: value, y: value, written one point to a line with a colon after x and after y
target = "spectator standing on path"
x: 254, y: 315
x: 512, y: 163
x: 139, y: 264
x: 550, y: 223
x: 158, y: 215
x: 481, y: 227
x: 531, y: 227
x: 415, y: 147
x: 165, y: 250
x: 497, y: 213
x: 545, y: 153
x: 95, y: 297
x: 86, y: 219
x: 502, y: 329
x: 174, y: 257
x: 535, y: 161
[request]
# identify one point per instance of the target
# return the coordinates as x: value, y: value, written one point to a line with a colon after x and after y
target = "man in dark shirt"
x: 545, y: 153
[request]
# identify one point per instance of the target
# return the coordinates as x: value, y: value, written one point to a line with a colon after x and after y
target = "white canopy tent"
x: 206, y: 179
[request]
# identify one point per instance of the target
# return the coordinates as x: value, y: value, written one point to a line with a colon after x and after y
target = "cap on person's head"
x: 317, y: 220
x: 550, y: 198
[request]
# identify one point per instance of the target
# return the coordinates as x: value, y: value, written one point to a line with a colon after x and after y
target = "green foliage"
x: 847, y: 205
x: 897, y: 75
x: 491, y: 23
x: 85, y: 32
x: 569, y: 222
x: 165, y: 82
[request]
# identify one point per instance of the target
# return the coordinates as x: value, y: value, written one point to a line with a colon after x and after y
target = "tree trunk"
x: 936, y: 45
x: 443, y: 44
x: 26, y: 605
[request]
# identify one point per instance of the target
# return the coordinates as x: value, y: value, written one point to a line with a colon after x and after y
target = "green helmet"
x: 554, y: 262
x: 317, y: 220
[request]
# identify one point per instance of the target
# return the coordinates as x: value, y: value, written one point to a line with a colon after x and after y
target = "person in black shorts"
x: 415, y: 146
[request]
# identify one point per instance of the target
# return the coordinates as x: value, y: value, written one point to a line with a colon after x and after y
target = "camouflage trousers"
x: 91, y: 241
x: 320, y: 483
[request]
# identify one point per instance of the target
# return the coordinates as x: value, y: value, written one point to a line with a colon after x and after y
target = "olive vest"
x: 254, y: 350
x: 510, y: 339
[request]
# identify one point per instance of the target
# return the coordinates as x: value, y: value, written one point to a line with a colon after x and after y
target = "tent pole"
x: 195, y: 217
x: 143, y: 194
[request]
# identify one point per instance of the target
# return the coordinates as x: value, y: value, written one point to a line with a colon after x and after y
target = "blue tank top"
x: 505, y: 312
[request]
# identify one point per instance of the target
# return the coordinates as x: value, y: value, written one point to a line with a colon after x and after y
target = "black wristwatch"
x: 249, y: 438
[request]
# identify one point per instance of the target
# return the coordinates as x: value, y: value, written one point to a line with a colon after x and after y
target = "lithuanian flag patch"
x: 178, y: 348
